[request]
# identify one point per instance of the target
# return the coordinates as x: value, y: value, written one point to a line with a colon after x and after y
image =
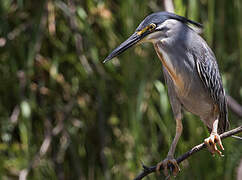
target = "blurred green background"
x: 66, y: 115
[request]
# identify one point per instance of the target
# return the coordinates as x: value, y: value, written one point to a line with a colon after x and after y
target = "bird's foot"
x: 211, y: 143
x: 169, y: 162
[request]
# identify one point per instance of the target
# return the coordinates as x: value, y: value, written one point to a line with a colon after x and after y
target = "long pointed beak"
x: 132, y: 40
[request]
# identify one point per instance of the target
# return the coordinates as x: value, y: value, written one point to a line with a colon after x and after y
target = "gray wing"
x: 209, y: 74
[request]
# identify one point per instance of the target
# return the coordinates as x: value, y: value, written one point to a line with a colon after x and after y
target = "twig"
x: 149, y: 170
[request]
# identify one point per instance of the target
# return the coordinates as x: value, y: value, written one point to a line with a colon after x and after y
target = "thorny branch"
x: 149, y: 170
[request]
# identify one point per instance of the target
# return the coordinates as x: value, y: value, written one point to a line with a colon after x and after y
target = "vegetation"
x: 66, y: 115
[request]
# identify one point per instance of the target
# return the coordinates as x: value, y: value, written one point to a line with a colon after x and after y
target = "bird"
x: 191, y: 74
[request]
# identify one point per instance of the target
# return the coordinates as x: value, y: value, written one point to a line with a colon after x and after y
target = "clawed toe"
x: 168, y: 163
x: 211, y: 144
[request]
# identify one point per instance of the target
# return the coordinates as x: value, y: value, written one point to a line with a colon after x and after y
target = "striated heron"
x: 191, y: 74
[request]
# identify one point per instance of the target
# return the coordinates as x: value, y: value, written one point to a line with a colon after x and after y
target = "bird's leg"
x: 213, y: 139
x: 170, y: 156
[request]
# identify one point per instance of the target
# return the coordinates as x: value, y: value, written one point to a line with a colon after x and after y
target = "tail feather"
x: 223, y: 116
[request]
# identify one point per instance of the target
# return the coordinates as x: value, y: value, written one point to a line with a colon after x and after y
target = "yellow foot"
x: 169, y: 161
x: 211, y: 143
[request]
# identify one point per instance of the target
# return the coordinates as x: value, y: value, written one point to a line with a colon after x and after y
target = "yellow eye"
x: 150, y: 27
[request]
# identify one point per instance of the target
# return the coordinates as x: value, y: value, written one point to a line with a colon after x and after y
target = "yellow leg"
x: 213, y: 139
x: 179, y: 129
x: 170, y: 156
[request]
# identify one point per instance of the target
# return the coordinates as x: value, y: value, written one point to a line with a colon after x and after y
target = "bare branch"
x: 149, y: 170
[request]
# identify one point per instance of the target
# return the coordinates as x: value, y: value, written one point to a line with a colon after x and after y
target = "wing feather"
x: 208, y: 71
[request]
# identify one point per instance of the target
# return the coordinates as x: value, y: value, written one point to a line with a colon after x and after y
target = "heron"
x: 191, y: 74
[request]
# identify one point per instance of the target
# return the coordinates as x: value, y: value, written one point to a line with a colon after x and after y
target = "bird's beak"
x: 132, y: 40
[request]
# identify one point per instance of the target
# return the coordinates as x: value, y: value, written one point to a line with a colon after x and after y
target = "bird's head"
x: 150, y: 29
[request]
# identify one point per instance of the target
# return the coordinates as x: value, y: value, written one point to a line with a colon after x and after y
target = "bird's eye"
x: 151, y: 26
